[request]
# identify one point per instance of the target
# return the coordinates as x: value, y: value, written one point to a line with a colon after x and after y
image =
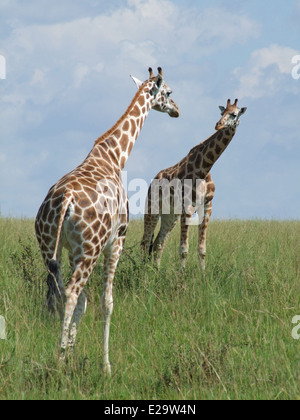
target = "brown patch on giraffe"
x: 96, y: 226
x: 112, y: 142
x: 88, y: 249
x: 46, y: 207
x: 135, y: 111
x: 133, y: 127
x: 53, y: 231
x: 141, y: 101
x: 95, y: 240
x: 60, y: 191
x: 92, y: 194
x: 46, y: 229
x: 218, y: 150
x: 226, y: 141
x: 96, y: 153
x: 103, y: 232
x: 124, y: 142
x: 88, y: 234
x: 212, y: 144
x: 44, y: 247
x: 51, y: 217
x: 83, y: 201
x: 78, y: 211
x: 104, y: 165
x: 126, y: 126
x: 206, y: 164
x: 81, y: 226
x: 210, y: 156
x: 117, y: 134
x: 90, y: 215
x: 123, y: 162
x: 76, y: 186
x: 190, y: 168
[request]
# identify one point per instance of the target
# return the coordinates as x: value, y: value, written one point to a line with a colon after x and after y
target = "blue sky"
x: 68, y: 66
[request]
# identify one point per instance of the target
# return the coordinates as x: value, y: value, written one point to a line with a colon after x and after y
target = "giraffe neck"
x: 116, y: 144
x: 202, y: 158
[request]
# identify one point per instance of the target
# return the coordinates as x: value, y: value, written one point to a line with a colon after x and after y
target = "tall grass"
x: 225, y: 334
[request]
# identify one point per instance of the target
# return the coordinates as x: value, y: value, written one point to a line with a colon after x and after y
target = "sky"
x: 67, y: 82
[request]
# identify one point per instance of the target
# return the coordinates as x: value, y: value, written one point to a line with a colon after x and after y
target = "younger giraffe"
x: 195, y: 166
x: 87, y: 213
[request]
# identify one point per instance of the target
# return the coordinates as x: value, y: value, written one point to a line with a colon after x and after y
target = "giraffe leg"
x: 75, y: 304
x: 168, y: 223
x: 150, y: 223
x: 79, y: 311
x: 202, y: 236
x: 184, y: 241
x: 111, y: 259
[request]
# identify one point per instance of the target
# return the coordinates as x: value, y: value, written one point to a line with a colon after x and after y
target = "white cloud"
x: 266, y: 72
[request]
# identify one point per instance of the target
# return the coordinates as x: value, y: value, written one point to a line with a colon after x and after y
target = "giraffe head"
x: 160, y: 92
x: 230, y: 115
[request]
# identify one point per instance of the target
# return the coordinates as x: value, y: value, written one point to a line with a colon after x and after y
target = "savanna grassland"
x: 225, y: 334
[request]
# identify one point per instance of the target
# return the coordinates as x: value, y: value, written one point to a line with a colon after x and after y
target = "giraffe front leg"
x: 168, y: 223
x: 111, y: 259
x: 184, y: 240
x: 202, y: 237
x: 150, y: 223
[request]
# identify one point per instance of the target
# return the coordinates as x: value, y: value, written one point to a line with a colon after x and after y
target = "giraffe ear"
x: 159, y: 81
x: 243, y: 110
x: 136, y: 81
x: 222, y: 109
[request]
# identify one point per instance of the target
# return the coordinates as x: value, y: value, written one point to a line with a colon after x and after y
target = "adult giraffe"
x: 87, y: 213
x: 194, y: 167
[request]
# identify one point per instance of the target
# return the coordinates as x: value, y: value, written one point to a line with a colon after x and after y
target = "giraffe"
x: 86, y: 212
x: 195, y: 166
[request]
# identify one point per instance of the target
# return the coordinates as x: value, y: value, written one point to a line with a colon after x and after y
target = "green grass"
x: 223, y: 335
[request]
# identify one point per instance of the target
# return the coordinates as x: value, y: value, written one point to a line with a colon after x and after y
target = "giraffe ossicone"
x: 86, y: 212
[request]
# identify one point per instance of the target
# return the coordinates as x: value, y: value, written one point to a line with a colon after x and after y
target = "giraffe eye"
x: 169, y: 94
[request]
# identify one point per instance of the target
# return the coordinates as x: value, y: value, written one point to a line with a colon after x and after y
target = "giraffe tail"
x: 65, y: 206
x: 56, y: 292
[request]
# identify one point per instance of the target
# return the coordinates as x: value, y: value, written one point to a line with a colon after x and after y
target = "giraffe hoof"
x: 107, y: 370
x: 63, y: 355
